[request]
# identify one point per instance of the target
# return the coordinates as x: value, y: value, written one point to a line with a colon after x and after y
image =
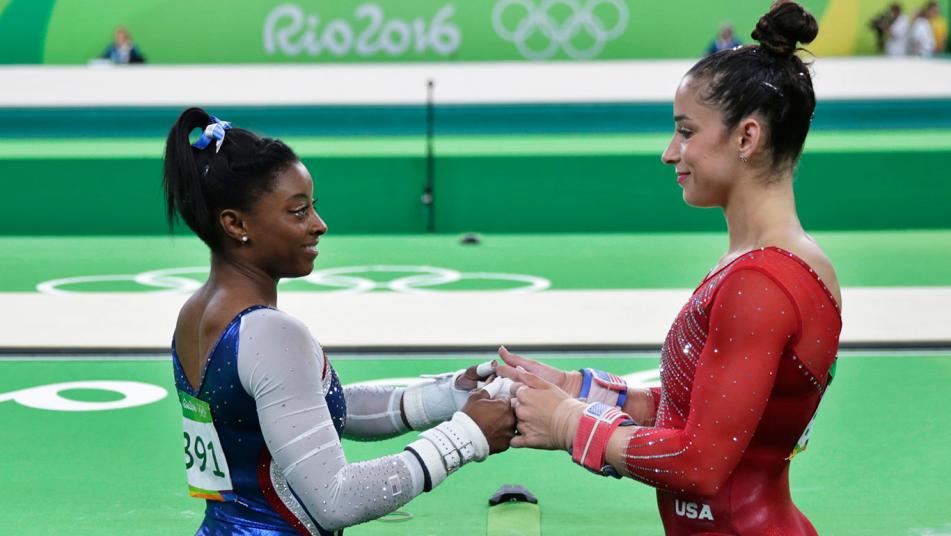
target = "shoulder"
x: 275, y: 334
x: 274, y: 321
x: 807, y: 252
x: 273, y: 344
x: 793, y: 266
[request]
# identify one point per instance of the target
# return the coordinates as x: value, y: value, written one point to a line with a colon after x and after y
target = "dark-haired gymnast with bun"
x: 749, y: 357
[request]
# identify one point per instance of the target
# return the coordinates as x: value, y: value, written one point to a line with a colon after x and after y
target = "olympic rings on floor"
x: 421, y: 279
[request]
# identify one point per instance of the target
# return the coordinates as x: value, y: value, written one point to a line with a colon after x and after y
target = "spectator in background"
x: 724, y: 41
x: 896, y: 36
x: 881, y: 24
x: 939, y: 25
x: 123, y: 50
x: 921, y: 39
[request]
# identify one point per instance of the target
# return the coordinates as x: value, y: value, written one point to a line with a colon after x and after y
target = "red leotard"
x: 742, y: 371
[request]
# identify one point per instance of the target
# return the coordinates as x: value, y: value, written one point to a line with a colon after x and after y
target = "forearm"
x: 338, y: 494
x: 357, y: 492
x: 377, y: 411
x: 374, y: 412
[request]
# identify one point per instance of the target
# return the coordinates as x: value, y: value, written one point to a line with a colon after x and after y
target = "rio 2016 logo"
x: 288, y: 30
x: 579, y: 28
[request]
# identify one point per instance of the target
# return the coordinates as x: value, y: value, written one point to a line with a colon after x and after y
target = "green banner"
x: 309, y: 31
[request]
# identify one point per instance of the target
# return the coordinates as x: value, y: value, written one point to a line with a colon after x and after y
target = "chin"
x: 305, y: 270
x: 697, y: 201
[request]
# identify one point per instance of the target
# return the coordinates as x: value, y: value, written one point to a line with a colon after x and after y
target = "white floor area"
x: 455, y: 83
x: 879, y: 316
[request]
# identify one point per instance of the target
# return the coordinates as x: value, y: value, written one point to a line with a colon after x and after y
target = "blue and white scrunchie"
x: 214, y: 131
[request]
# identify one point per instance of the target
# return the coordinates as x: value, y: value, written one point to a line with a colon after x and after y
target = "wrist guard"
x: 437, y: 398
x: 597, y: 424
x: 447, y: 447
x: 601, y: 386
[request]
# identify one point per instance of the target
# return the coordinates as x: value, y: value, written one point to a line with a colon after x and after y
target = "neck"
x: 240, y: 277
x: 759, y: 214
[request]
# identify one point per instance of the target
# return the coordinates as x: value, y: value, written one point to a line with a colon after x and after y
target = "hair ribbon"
x: 214, y: 131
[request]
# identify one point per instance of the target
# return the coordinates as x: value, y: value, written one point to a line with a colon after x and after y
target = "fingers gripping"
x: 499, y: 388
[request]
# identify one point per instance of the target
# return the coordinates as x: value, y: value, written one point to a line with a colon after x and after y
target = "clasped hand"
x: 546, y: 413
x: 544, y: 401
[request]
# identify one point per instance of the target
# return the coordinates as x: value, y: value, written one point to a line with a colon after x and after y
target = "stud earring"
x: 743, y: 158
x: 244, y: 239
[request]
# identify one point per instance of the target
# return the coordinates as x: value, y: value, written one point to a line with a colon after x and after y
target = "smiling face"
x: 283, y: 226
x: 701, y: 151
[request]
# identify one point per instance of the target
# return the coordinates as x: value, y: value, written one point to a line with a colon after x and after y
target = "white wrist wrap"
x: 434, y: 400
x: 447, y: 447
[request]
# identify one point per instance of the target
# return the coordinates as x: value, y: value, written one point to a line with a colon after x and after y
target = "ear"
x: 750, y: 137
x: 234, y: 225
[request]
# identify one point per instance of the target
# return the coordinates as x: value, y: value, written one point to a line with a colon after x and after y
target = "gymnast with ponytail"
x: 263, y: 410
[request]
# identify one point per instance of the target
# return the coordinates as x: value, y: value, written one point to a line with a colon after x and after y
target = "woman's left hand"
x: 547, y: 416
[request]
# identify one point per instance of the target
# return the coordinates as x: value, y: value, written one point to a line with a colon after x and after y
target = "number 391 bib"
x: 205, y: 463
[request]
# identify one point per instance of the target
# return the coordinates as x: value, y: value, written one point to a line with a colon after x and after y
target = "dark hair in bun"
x: 768, y: 79
x: 785, y: 25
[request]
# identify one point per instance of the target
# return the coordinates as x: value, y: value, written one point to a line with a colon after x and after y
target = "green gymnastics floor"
x: 569, y: 261
x: 876, y: 465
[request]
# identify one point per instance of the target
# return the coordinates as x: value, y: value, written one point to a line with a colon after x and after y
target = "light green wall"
x: 179, y: 31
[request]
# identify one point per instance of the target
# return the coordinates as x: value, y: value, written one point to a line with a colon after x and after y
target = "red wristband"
x: 597, y: 424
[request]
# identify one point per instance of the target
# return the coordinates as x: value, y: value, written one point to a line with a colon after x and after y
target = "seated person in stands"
x: 123, y: 51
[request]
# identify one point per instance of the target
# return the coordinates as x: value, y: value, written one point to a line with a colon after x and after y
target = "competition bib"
x: 804, y: 438
x: 205, y: 464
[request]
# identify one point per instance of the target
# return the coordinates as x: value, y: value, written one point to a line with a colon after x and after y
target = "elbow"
x: 326, y: 509
x: 705, y: 489
x: 331, y: 523
x: 332, y: 517
x: 706, y: 485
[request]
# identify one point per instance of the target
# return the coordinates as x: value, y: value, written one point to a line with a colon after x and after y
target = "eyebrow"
x: 680, y: 117
x: 298, y: 196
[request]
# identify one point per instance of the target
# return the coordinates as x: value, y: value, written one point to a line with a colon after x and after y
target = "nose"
x: 318, y: 226
x: 671, y: 154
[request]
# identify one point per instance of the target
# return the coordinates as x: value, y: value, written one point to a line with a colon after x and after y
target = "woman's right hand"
x: 569, y: 382
x: 494, y: 417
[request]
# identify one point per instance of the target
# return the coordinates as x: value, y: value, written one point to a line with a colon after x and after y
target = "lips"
x: 312, y: 249
x: 682, y: 176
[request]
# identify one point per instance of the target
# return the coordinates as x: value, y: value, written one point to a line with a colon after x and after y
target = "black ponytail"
x: 199, y: 183
x: 768, y: 79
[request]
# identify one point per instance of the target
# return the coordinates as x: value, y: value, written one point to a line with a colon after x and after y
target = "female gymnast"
x: 749, y: 356
x: 263, y: 409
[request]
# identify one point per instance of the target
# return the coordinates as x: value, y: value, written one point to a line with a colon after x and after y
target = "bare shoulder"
x: 807, y: 249
x: 203, y: 318
x: 187, y: 327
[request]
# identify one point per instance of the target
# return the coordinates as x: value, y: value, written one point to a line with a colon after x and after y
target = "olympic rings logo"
x: 563, y: 34
x: 344, y: 280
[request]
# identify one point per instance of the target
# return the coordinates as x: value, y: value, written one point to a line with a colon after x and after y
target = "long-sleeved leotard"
x: 279, y: 411
x: 742, y: 371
